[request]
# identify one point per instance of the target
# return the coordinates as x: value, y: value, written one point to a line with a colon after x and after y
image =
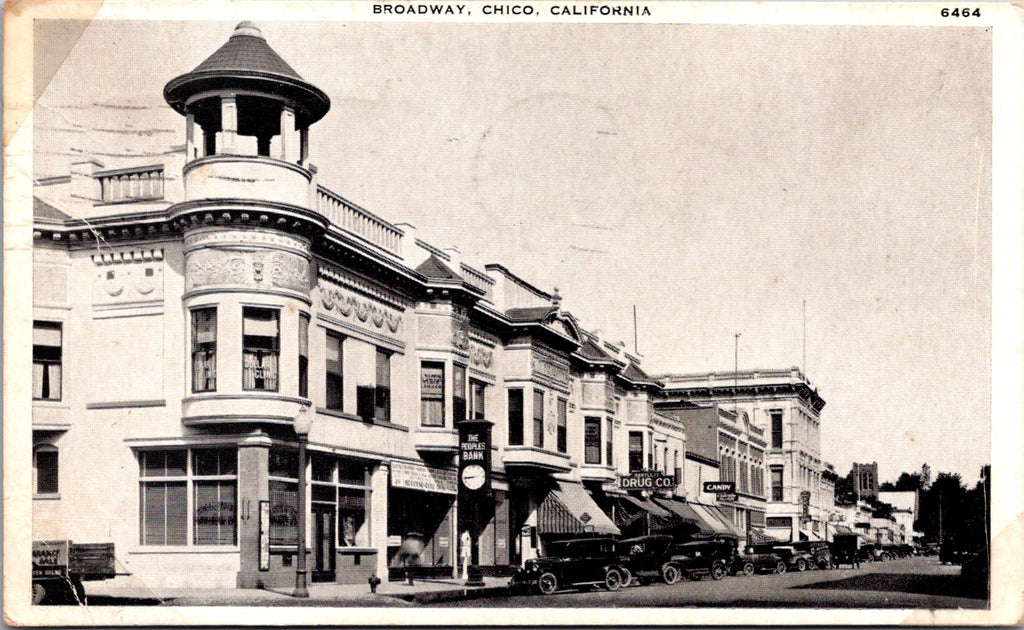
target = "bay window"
x: 636, y: 451
x: 382, y: 391
x: 538, y: 418
x: 609, y: 460
x: 432, y: 394
x: 303, y: 355
x: 591, y: 440
x: 562, y: 437
x: 515, y: 417
x: 260, y: 348
x: 47, y: 357
x: 477, y: 400
x: 204, y: 349
x: 458, y: 393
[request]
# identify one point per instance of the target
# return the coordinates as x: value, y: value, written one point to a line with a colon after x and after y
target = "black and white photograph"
x: 651, y: 313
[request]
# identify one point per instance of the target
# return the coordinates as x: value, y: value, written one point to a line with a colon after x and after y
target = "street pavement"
x: 904, y: 583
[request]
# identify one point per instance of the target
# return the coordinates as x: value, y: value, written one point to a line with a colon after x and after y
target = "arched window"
x: 45, y: 469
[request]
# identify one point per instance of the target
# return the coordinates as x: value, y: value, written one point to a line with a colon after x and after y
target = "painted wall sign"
x: 425, y: 478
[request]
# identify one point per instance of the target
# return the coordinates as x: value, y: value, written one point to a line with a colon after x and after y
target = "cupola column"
x: 229, y: 124
x: 303, y: 145
x: 289, y: 138
x: 190, y: 137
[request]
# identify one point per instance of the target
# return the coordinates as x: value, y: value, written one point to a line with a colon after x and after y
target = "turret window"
x: 204, y: 349
x: 260, y: 348
x: 303, y: 355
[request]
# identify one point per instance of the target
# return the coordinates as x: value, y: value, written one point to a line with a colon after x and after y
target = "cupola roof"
x: 247, y: 62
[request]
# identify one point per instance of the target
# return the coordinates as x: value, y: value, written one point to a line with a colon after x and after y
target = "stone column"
x: 379, y: 517
x: 190, y: 137
x: 253, y: 465
x: 228, y: 124
x: 289, y: 138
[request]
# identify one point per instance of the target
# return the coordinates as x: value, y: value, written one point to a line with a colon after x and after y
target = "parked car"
x: 795, y: 560
x: 819, y: 550
x: 698, y: 558
x: 749, y: 562
x: 873, y: 552
x: 647, y: 558
x: 577, y: 562
x: 844, y: 550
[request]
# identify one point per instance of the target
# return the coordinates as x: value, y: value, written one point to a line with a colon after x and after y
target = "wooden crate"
x: 91, y: 561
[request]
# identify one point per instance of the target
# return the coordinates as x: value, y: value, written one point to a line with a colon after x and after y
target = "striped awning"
x: 718, y: 513
x: 714, y: 525
x: 647, y: 506
x: 569, y: 509
x: 843, y: 529
x: 681, y: 509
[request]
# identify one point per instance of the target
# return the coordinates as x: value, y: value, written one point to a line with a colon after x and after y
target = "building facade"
x: 786, y: 409
x: 865, y: 479
x: 189, y: 309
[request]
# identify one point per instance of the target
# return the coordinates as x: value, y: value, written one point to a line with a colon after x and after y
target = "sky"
x: 714, y: 176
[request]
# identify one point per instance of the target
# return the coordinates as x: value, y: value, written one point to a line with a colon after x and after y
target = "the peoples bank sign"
x: 647, y: 480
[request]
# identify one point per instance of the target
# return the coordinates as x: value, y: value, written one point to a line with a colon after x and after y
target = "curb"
x: 454, y: 595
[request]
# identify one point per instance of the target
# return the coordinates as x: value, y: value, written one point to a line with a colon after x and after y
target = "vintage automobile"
x: 873, y: 552
x: 821, y: 554
x: 750, y: 562
x: 576, y: 562
x: 698, y: 558
x: 795, y: 559
x: 844, y: 549
x: 647, y: 558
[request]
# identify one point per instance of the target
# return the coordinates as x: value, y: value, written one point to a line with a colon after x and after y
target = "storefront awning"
x: 680, y: 509
x: 715, y: 526
x: 843, y: 529
x: 717, y: 512
x: 806, y: 534
x: 758, y: 537
x: 569, y: 509
x: 647, y: 506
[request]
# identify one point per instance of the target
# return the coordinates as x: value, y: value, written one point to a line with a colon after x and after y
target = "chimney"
x: 456, y: 259
x: 85, y: 189
x: 409, y: 248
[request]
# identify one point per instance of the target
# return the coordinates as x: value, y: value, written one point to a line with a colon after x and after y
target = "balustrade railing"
x: 133, y: 185
x: 359, y: 221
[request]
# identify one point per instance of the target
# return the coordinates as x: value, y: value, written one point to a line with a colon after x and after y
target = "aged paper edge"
x: 1007, y: 316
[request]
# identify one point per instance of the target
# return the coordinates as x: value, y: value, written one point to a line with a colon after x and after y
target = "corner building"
x: 186, y: 309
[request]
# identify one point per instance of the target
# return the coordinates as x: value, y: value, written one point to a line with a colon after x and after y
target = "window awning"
x: 680, y: 509
x: 569, y: 509
x: 758, y: 537
x: 647, y: 506
x: 715, y: 526
x: 718, y: 513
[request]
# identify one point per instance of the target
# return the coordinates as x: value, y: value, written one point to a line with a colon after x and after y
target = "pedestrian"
x: 409, y: 554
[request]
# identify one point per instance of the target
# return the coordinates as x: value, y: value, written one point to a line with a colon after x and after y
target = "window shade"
x: 259, y: 322
x: 46, y: 334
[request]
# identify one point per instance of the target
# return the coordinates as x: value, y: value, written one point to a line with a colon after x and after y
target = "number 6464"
x: 961, y: 12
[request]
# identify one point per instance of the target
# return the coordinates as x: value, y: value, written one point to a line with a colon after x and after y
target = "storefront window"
x: 334, y: 397
x: 432, y: 394
x: 515, y: 417
x: 260, y: 348
x: 204, y: 349
x: 284, y: 496
x: 340, y: 486
x: 592, y: 440
x: 458, y: 393
x: 166, y: 480
x: 46, y: 360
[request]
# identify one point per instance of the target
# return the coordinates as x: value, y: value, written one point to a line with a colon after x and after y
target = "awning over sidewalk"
x: 647, y: 506
x: 718, y: 513
x: 758, y: 537
x: 569, y: 509
x: 715, y: 526
x: 681, y: 509
x: 843, y: 529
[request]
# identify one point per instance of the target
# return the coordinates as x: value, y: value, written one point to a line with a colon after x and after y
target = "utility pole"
x: 736, y: 373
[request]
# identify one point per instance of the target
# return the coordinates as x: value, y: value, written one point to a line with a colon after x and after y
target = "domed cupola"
x: 246, y: 100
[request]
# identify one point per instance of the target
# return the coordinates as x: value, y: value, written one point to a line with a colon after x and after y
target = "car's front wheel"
x: 613, y: 579
x: 547, y: 583
x: 780, y: 567
x: 748, y: 568
x: 824, y: 564
x: 671, y: 573
x: 801, y: 564
x: 717, y: 571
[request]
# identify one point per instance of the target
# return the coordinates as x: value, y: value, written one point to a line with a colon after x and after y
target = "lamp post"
x: 303, y: 423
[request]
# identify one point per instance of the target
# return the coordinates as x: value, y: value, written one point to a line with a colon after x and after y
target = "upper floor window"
x: 458, y: 393
x: 432, y: 394
x: 382, y: 390
x: 538, y: 418
x: 609, y: 459
x: 562, y: 437
x: 204, y: 349
x: 46, y: 360
x: 515, y: 417
x: 591, y: 440
x: 335, y: 381
x: 303, y: 355
x: 636, y: 451
x: 45, y: 467
x: 260, y: 348
x: 776, y: 429
x: 777, y: 493
x: 478, y: 400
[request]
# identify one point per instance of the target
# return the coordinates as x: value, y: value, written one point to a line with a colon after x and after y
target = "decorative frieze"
x: 480, y: 355
x: 260, y: 269
x: 351, y: 306
x: 128, y: 278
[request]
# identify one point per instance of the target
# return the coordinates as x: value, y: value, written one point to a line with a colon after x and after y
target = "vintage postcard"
x: 518, y: 313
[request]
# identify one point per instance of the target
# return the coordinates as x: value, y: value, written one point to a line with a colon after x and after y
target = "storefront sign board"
x: 423, y: 478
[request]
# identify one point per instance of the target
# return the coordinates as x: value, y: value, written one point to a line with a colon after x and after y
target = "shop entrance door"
x: 323, y: 543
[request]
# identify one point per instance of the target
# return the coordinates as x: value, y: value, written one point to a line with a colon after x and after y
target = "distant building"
x: 865, y: 479
x: 786, y: 408
x: 905, y: 506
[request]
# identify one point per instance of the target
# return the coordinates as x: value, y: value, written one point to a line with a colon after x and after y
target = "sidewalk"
x: 424, y: 591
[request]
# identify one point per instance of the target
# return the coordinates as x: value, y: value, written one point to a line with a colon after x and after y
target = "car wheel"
x: 780, y: 567
x: 717, y: 571
x: 823, y: 564
x: 748, y: 569
x: 613, y: 579
x: 670, y: 573
x: 38, y: 593
x: 547, y: 583
x: 801, y: 564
